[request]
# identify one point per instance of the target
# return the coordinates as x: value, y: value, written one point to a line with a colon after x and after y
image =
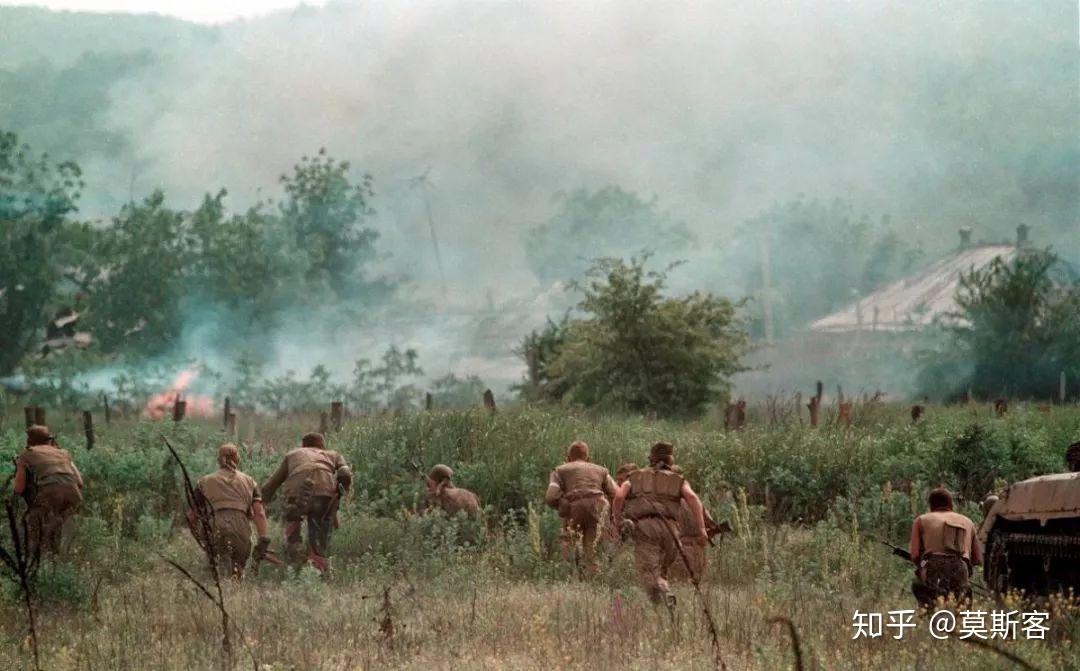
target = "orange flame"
x: 161, y: 404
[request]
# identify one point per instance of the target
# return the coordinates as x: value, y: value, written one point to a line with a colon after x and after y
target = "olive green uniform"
x: 54, y: 496
x: 230, y: 494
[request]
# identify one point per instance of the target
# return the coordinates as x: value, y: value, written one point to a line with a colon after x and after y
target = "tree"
x: 635, y: 350
x: 821, y: 256
x: 324, y: 214
x: 1016, y: 329
x: 38, y: 243
x: 608, y: 222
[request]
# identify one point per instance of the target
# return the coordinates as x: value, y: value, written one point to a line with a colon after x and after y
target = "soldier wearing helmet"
x: 233, y: 500
x: 651, y: 499
x: 443, y: 493
x: 50, y: 482
x: 581, y: 491
x: 312, y: 480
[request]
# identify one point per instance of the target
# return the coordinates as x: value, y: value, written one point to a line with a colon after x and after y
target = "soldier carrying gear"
x: 944, y: 548
x: 651, y: 499
x: 696, y: 557
x: 443, y: 493
x: 50, y: 482
x: 234, y: 499
x: 581, y: 491
x: 312, y: 479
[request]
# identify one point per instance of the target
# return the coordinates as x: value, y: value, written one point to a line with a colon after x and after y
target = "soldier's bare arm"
x: 609, y: 486
x: 915, y: 544
x: 258, y: 515
x: 272, y: 483
x: 20, y: 476
x: 697, y: 511
x: 554, y: 491
x: 617, y: 503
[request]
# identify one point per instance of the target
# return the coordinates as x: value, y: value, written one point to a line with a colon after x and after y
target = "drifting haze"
x: 941, y: 115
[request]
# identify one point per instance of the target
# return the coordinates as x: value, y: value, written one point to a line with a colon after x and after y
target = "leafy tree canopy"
x: 633, y: 349
x: 1016, y: 330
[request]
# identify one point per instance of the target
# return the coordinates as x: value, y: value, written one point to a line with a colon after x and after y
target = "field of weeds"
x: 408, y: 590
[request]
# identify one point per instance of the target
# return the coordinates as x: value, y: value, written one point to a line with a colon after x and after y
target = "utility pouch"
x: 955, y: 538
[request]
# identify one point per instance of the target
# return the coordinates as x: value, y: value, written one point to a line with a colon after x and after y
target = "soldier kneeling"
x: 443, y: 493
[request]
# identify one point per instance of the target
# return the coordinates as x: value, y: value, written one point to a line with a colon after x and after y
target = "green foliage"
x: 635, y: 350
x: 1016, y: 330
x: 821, y: 256
x: 37, y: 243
x: 606, y: 222
x: 451, y: 391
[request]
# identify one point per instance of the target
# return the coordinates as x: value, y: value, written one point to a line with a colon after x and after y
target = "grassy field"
x: 412, y: 591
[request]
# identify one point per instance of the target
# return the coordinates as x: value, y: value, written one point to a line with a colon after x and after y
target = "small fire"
x: 161, y: 405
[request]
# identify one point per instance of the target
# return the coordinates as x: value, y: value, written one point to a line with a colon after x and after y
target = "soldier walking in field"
x: 694, y: 552
x: 49, y: 481
x: 581, y: 491
x: 451, y: 499
x: 944, y: 548
x: 312, y: 479
x: 234, y: 500
x: 651, y: 500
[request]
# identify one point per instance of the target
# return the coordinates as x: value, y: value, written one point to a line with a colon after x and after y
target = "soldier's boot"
x: 318, y: 561
x: 294, y: 546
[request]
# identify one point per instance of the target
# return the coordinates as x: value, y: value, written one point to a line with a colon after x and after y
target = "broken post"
x: 427, y: 401
x: 489, y: 400
x: 847, y: 413
x: 324, y: 422
x: 179, y: 409
x: 227, y: 412
x: 230, y: 424
x: 88, y: 428
x: 1001, y: 406
x: 28, y: 415
x: 105, y: 402
x: 1062, y: 388
x: 815, y: 404
x: 337, y: 415
x: 39, y: 415
x: 917, y: 413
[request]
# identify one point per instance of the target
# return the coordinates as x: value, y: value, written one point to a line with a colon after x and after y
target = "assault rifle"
x: 896, y: 549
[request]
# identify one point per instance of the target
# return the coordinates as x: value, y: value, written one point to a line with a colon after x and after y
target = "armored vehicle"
x: 1031, y: 536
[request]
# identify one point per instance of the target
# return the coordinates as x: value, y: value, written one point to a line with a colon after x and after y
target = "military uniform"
x: 944, y: 551
x: 231, y: 495
x: 654, y: 506
x: 694, y: 551
x: 451, y: 499
x: 53, y: 489
x: 581, y: 491
x: 308, y: 477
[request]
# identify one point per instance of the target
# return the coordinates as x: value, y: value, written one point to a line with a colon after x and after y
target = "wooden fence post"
x: 88, y: 428
x: 230, y: 424
x: 337, y: 415
x: 179, y: 409
x: 28, y: 415
x: 324, y: 423
x: 427, y: 401
x: 489, y: 400
x: 108, y: 414
x: 228, y: 411
x: 39, y: 415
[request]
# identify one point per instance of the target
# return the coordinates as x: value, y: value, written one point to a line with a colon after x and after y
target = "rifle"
x: 896, y: 549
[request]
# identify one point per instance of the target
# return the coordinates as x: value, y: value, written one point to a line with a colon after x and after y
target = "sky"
x: 200, y: 11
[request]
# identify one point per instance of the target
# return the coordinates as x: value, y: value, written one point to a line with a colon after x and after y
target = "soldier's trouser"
x: 695, y: 554
x: 319, y: 513
x: 581, y: 517
x: 52, y: 506
x: 232, y: 542
x: 654, y: 553
x: 942, y: 576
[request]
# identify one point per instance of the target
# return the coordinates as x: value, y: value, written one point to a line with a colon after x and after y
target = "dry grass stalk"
x: 23, y: 564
